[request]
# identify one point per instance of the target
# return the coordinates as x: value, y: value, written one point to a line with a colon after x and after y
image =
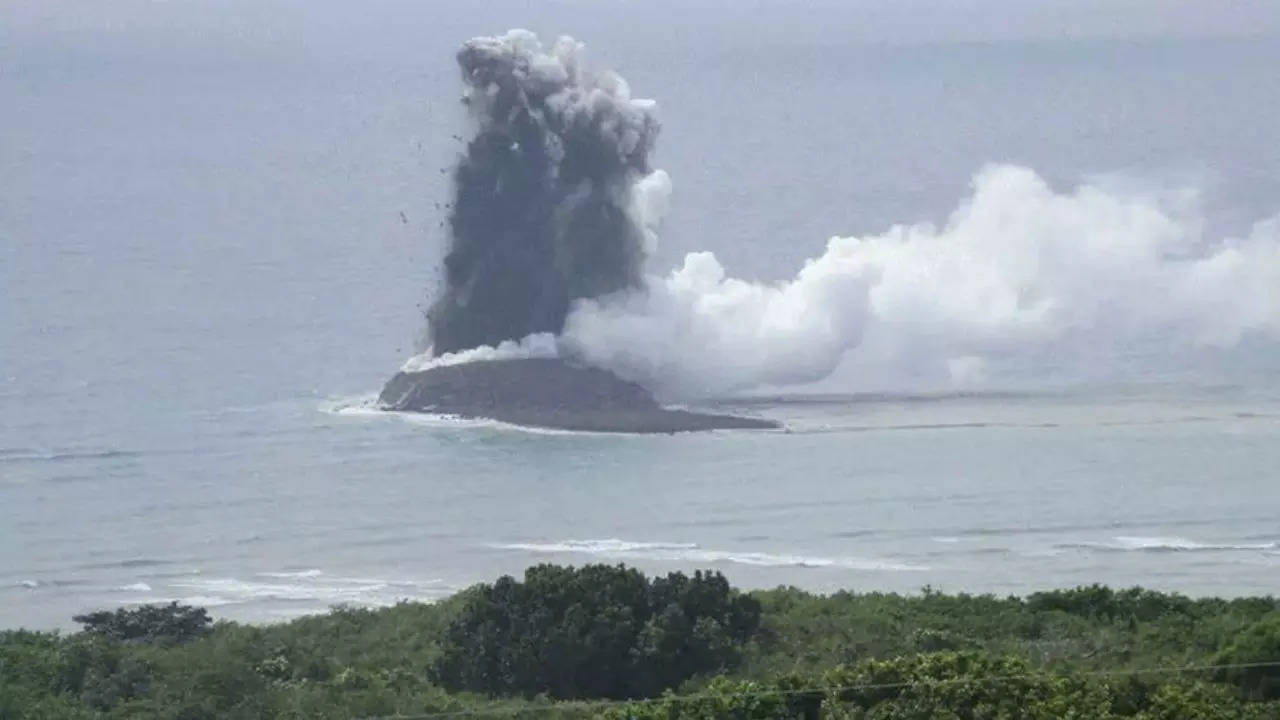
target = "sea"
x: 220, y: 225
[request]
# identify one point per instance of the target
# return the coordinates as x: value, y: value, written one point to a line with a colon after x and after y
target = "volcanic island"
x: 548, y: 393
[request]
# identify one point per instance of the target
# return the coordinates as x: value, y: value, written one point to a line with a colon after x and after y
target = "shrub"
x: 1258, y: 646
x: 164, y: 624
x: 1103, y: 603
x: 598, y: 631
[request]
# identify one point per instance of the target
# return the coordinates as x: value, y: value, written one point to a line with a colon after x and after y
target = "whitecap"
x: 309, y: 573
x: 207, y: 601
x: 1130, y: 543
x: 602, y: 547
x: 405, y: 583
x: 800, y: 561
x: 614, y: 548
x: 310, y: 589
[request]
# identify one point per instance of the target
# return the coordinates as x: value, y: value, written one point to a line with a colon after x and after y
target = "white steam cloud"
x: 537, y: 345
x: 1017, y: 269
x: 556, y: 207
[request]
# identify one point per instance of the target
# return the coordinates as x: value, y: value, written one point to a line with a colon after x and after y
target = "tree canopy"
x: 172, y: 623
x: 596, y: 631
x: 585, y: 642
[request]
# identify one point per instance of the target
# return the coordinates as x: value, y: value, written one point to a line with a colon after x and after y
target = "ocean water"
x: 216, y: 244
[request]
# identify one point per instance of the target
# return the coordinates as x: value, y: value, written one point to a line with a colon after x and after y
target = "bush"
x: 165, y: 624
x: 1103, y: 603
x: 594, y: 632
x: 1259, y: 646
x: 948, y: 686
x: 609, y: 632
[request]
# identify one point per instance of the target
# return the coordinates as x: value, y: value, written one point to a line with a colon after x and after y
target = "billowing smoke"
x: 556, y: 207
x: 545, y: 207
x: 1018, y: 271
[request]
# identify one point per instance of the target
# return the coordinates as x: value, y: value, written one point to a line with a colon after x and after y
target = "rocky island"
x: 548, y: 393
x: 547, y: 211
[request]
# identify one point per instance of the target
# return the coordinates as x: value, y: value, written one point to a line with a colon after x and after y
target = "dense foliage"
x: 172, y: 623
x: 1250, y: 652
x: 952, y: 686
x: 610, y: 632
x: 598, y: 631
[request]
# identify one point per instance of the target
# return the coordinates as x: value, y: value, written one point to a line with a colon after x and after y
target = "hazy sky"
x: 359, y: 25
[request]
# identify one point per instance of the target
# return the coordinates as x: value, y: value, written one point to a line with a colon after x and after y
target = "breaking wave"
x: 312, y: 573
x: 614, y: 548
x: 310, y: 587
x: 135, y: 587
x: 1165, y: 544
x: 28, y: 455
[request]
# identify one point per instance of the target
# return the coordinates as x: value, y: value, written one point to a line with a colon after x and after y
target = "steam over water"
x: 556, y: 207
x: 1017, y: 270
x: 1037, y: 279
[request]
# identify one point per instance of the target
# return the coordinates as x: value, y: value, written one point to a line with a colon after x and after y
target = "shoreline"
x: 607, y: 640
x: 549, y: 393
x: 926, y: 589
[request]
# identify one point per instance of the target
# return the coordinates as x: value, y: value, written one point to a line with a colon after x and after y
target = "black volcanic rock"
x: 547, y: 393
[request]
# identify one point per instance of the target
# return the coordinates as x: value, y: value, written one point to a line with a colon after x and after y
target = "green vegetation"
x: 606, y: 641
x: 1251, y: 650
x: 954, y: 686
x: 597, y: 632
x: 164, y: 624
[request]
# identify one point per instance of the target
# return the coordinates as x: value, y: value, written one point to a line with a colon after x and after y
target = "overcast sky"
x: 359, y: 26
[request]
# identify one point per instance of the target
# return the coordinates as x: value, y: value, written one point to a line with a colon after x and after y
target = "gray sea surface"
x: 218, y: 233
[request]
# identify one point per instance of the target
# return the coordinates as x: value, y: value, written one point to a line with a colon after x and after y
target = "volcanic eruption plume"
x: 556, y: 207
x: 544, y: 209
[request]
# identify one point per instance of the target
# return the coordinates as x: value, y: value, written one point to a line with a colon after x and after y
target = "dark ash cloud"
x: 542, y: 212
